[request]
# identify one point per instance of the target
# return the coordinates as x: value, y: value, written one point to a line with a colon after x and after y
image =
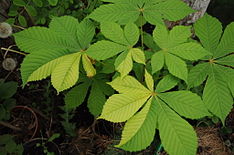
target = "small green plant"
x: 28, y: 12
x: 8, y: 146
x: 66, y: 52
x: 7, y: 90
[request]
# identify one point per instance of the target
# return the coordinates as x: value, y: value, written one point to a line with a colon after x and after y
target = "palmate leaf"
x: 56, y: 51
x: 217, y: 93
x: 172, y: 49
x: 153, y: 11
x: 158, y: 109
x: 123, y: 41
x: 95, y: 100
x: 177, y: 136
x: 139, y: 130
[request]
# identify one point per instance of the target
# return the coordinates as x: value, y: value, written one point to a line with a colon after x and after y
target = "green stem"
x: 142, y: 37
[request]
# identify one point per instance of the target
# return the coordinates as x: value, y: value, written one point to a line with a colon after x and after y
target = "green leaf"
x: 126, y: 65
x: 38, y: 3
x: 177, y: 136
x: 149, y: 42
x: 128, y: 84
x: 19, y: 2
x: 114, y: 32
x: 22, y: 20
x: 228, y: 60
x: 161, y: 36
x: 43, y: 39
x: 121, y: 107
x: 189, y: 51
x: 67, y: 26
x: 226, y: 45
x: 104, y: 49
x: 75, y: 97
x: 129, y: 11
x: 186, y: 104
x: 7, y: 90
x: 53, y: 2
x: 31, y: 10
x: 151, y: 15
x: 157, y: 61
x: 209, y: 31
x: 172, y: 10
x: 178, y: 35
x: 176, y: 66
x: 121, y: 13
x: 66, y: 73
x: 85, y: 33
x: 139, y: 130
x: 138, y: 55
x: 217, y: 95
x: 39, y: 65
x: 168, y: 82
x: 198, y: 74
x: 88, y: 66
x: 131, y: 32
x: 96, y: 99
x: 149, y: 81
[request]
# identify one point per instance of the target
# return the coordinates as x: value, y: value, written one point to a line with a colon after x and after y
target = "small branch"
x: 10, y: 126
x: 14, y: 51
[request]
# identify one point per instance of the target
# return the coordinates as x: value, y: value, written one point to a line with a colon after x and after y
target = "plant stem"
x: 14, y: 51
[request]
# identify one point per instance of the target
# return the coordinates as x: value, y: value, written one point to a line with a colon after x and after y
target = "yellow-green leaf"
x: 138, y: 55
x: 88, y: 67
x: 149, y: 81
x: 66, y: 74
x: 126, y: 65
x: 121, y: 107
x: 128, y: 84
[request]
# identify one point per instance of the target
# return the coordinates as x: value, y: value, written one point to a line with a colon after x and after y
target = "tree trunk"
x: 199, y: 5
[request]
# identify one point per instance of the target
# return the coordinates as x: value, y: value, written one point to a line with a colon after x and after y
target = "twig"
x: 14, y: 51
x: 10, y: 126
